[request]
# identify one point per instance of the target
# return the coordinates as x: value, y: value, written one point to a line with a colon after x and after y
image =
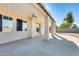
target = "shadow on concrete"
x: 64, y: 41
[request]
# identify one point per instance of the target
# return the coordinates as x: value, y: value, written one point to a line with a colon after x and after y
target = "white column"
x: 46, y: 29
x: 54, y: 25
x: 14, y: 25
x: 29, y: 29
x: 52, y: 28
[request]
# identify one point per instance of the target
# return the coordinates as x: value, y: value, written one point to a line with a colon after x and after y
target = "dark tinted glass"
x: 19, y: 25
x: 0, y: 23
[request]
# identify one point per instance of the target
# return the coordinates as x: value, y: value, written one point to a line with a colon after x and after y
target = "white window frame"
x: 26, y: 25
x: 7, y: 19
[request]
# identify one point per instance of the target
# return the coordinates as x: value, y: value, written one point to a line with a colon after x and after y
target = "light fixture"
x: 33, y: 15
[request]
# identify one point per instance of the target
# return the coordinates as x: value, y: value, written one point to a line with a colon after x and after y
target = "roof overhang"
x: 45, y: 10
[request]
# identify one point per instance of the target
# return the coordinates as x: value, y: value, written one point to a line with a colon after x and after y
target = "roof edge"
x: 45, y: 9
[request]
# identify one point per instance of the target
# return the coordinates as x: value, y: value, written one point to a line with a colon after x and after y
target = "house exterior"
x: 24, y: 20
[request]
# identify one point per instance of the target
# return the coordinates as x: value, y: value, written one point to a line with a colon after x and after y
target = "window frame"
x: 39, y: 30
x: 22, y: 25
x: 21, y: 29
x: 7, y: 18
x: 18, y: 25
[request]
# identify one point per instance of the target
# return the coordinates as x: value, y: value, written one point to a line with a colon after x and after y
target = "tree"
x: 64, y: 25
x: 74, y: 26
x: 69, y: 19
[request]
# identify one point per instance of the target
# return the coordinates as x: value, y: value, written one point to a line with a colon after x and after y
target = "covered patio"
x: 39, y: 47
x: 19, y: 21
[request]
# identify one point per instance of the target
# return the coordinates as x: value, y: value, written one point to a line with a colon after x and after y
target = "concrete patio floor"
x: 55, y: 46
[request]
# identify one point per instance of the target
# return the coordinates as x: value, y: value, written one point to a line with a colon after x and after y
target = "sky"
x: 60, y: 10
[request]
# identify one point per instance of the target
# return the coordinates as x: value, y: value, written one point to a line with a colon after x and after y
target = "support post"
x: 46, y: 29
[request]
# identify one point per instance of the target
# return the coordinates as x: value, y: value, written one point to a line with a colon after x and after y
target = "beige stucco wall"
x: 53, y: 26
x: 24, y: 12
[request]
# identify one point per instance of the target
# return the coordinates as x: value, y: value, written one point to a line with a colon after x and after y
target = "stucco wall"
x: 24, y: 12
x: 12, y: 36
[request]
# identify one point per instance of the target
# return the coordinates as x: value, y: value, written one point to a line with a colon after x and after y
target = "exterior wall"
x: 24, y: 12
x: 53, y: 27
x: 49, y: 24
x: 34, y: 21
x: 12, y: 36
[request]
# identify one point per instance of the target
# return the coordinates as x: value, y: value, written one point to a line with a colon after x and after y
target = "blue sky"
x: 60, y: 10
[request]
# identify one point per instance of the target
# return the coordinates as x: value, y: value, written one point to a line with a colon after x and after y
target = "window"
x: 24, y: 26
x: 0, y: 23
x: 7, y: 24
x: 19, y: 25
x: 38, y: 29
